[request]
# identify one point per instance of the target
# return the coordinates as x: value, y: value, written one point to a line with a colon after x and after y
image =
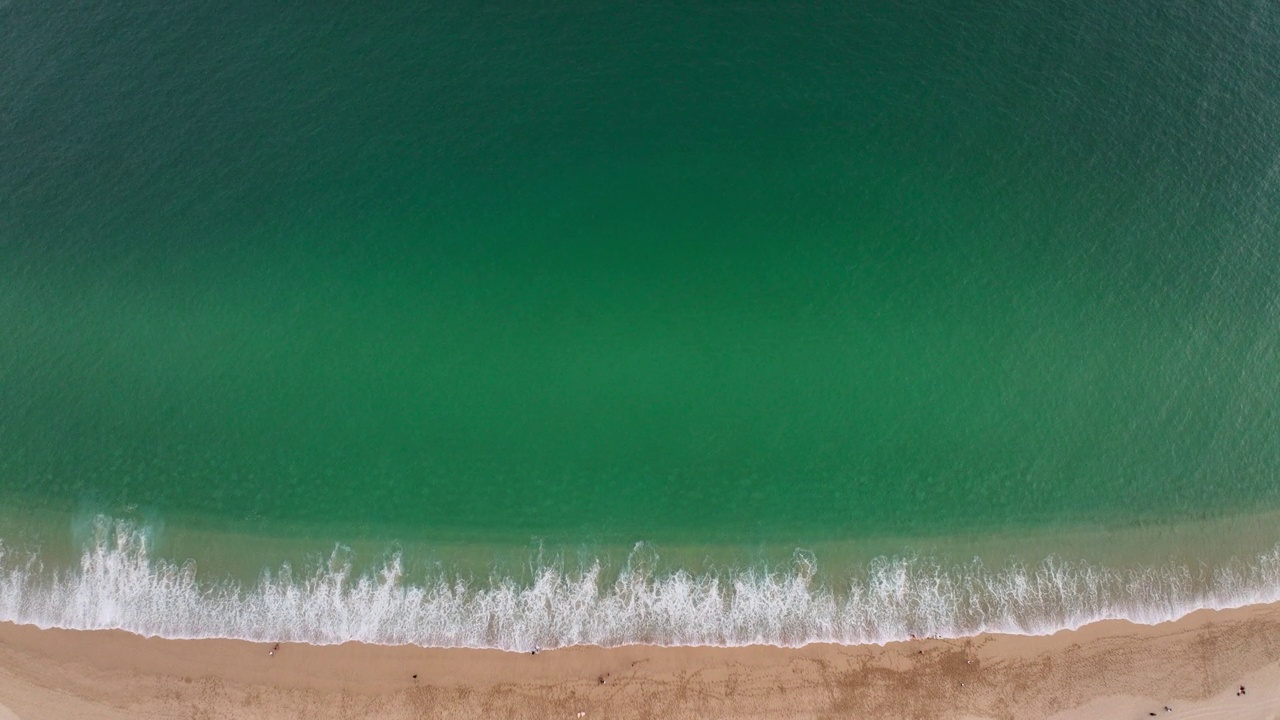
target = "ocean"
x: 492, y: 325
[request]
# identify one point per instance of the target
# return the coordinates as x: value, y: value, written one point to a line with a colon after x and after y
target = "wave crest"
x: 120, y: 584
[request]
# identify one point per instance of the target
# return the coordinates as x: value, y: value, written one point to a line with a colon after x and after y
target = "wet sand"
x: 1113, y: 669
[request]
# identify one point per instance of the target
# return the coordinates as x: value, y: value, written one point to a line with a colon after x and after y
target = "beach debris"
x: 274, y: 649
x: 581, y: 714
x: 415, y: 676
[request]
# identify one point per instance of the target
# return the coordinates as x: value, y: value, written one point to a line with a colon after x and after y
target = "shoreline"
x: 1193, y: 665
x: 120, y: 583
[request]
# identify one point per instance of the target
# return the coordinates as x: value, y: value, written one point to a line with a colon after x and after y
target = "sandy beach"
x: 1196, y: 667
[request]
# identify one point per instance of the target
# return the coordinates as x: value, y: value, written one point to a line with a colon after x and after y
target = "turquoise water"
x: 801, y: 299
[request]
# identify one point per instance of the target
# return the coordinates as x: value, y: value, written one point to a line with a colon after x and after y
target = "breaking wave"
x: 120, y: 584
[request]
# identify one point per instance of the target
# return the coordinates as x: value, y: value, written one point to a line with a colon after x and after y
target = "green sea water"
x: 731, y: 278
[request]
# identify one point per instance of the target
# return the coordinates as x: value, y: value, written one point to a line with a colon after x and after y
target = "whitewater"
x: 121, y: 584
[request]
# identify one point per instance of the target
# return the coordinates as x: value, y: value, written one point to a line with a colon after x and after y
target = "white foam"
x: 120, y: 584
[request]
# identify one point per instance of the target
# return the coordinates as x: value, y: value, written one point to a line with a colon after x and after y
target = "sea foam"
x: 121, y: 584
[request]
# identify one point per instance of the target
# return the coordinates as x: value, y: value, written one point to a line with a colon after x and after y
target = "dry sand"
x: 1109, y: 670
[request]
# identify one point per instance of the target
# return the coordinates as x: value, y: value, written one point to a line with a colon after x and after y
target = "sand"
x: 1112, y: 669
